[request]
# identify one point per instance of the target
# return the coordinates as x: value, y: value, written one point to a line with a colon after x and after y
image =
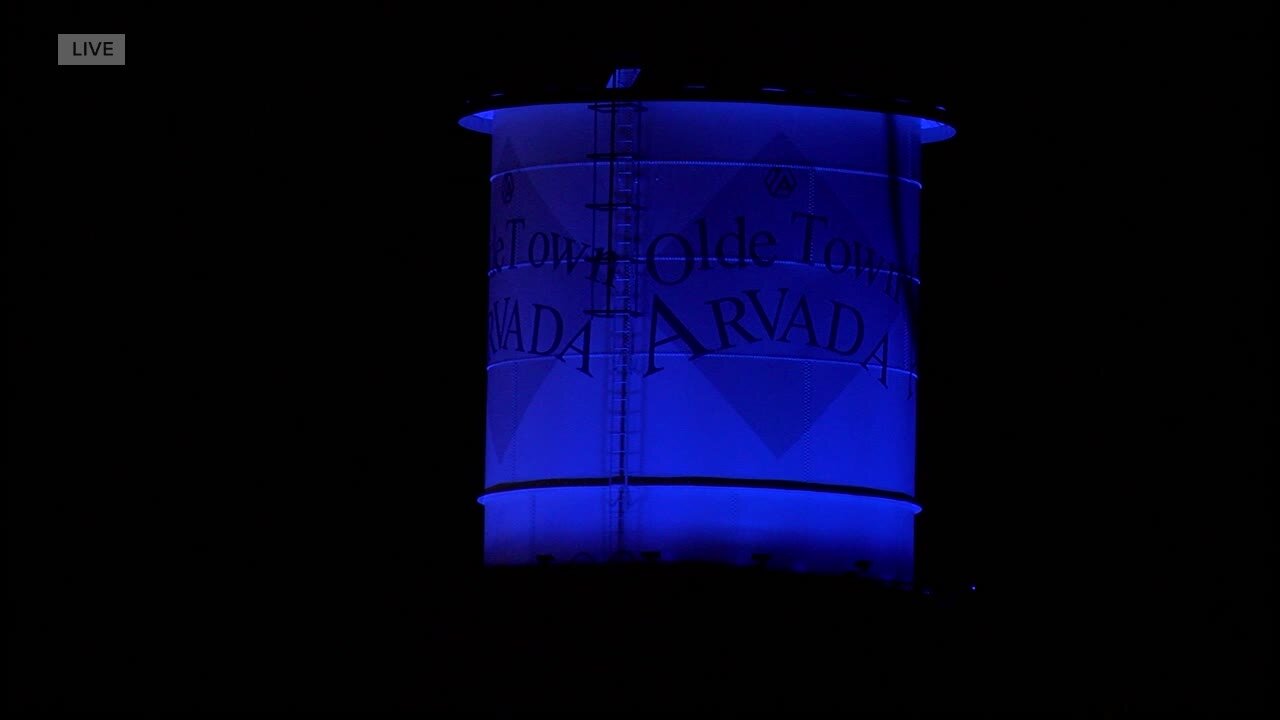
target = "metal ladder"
x: 617, y: 123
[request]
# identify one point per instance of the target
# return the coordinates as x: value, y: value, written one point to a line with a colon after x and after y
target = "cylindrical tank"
x: 700, y: 333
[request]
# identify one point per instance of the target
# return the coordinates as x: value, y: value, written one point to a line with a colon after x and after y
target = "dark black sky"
x: 246, y: 308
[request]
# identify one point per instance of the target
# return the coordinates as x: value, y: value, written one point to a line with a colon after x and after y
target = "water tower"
x: 700, y: 325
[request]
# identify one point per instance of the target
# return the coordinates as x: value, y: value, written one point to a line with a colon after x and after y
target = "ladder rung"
x: 614, y: 106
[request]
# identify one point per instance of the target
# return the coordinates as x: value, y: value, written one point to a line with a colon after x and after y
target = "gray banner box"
x: 91, y: 49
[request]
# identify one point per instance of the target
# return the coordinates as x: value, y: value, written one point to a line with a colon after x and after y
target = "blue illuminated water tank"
x: 700, y: 332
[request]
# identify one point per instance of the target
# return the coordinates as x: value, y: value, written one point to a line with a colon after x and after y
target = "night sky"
x: 246, y: 316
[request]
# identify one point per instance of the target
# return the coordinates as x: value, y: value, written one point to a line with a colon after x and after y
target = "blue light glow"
x: 700, y: 335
